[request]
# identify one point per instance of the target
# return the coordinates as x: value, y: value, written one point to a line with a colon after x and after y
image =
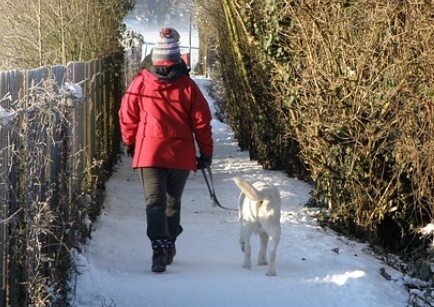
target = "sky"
x: 315, y: 266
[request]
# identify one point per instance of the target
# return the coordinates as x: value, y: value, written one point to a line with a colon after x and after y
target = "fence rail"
x: 59, y: 137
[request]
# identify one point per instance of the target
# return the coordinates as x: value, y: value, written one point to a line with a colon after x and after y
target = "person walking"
x: 164, y: 119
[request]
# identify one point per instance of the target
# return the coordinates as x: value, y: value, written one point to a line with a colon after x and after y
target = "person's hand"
x: 130, y: 150
x: 203, y: 161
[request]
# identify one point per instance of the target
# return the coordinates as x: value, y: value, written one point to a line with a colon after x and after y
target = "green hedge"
x: 338, y: 93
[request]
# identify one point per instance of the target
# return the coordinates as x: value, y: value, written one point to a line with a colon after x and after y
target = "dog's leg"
x: 245, y: 237
x: 274, y: 242
x: 262, y: 258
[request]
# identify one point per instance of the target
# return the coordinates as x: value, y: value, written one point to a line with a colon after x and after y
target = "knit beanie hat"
x: 166, y: 51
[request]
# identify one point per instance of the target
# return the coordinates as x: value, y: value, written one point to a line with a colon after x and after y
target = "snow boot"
x: 159, y: 256
x: 171, y: 252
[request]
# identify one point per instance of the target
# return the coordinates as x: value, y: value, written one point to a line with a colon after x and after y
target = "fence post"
x: 76, y: 72
x: 3, y: 194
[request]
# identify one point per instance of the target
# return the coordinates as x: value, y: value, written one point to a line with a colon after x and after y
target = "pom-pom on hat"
x: 169, y: 33
x: 166, y: 51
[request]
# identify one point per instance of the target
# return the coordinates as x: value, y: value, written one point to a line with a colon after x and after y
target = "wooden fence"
x: 59, y: 138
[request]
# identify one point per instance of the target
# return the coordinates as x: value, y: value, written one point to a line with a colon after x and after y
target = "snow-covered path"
x: 315, y: 266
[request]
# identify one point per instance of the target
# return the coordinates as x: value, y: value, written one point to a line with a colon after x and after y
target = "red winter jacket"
x: 163, y: 115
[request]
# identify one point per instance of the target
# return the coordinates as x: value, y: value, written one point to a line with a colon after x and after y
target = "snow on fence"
x: 58, y: 136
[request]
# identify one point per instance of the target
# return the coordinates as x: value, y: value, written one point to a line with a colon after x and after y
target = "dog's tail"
x: 248, y: 189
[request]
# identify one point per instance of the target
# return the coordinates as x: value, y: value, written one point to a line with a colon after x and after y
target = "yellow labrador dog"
x: 259, y: 212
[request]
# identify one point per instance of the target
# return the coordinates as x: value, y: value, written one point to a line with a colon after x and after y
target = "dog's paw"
x: 247, y: 264
x: 271, y: 273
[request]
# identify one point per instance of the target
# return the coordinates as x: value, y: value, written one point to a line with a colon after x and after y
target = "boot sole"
x: 159, y: 269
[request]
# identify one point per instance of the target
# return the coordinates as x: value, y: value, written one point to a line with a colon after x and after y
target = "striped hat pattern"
x: 167, y: 48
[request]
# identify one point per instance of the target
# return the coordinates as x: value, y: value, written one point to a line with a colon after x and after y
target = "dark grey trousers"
x: 163, y: 190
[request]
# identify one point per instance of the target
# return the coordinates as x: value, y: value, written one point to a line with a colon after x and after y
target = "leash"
x: 210, y: 184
